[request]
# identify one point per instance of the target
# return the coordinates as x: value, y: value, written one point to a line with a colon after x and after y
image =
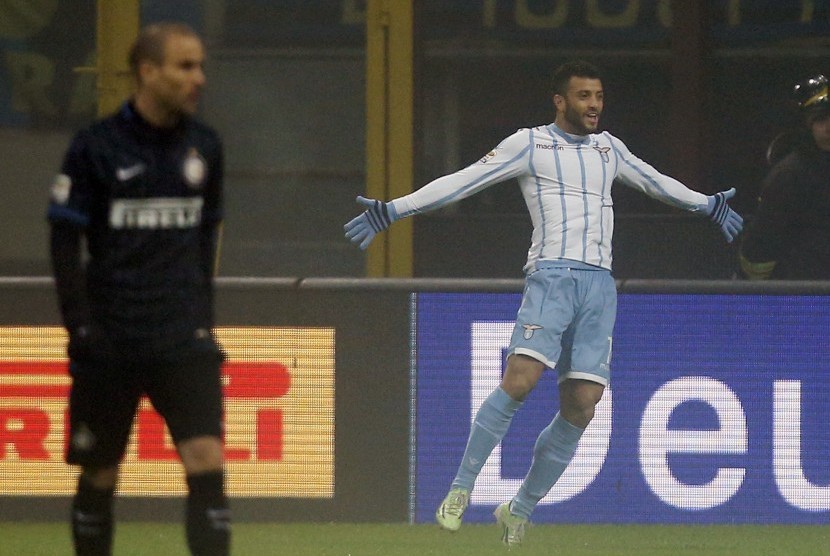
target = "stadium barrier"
x: 350, y: 400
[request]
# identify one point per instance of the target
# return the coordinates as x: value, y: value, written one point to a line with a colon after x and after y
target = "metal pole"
x: 118, y: 24
x: 389, y: 120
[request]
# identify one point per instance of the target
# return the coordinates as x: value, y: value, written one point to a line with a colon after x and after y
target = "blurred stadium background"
x: 321, y: 100
x: 696, y: 88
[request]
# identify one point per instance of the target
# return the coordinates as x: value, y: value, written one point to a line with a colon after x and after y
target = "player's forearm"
x: 671, y: 192
x: 209, y: 248
x: 642, y: 176
x: 70, y: 281
x: 209, y: 255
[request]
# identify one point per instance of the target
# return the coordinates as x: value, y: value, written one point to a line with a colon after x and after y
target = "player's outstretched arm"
x: 361, y: 230
x: 719, y: 211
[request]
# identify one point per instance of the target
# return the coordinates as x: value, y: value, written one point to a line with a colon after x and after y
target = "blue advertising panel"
x: 716, y: 412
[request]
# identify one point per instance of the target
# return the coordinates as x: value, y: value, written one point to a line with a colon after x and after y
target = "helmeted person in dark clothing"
x: 143, y: 188
x: 789, y: 238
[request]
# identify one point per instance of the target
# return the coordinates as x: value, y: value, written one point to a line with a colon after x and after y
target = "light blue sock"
x: 489, y: 427
x: 552, y: 453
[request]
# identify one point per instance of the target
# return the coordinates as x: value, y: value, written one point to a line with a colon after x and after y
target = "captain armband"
x: 757, y: 271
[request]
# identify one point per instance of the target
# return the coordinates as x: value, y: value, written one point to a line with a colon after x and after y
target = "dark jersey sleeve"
x: 68, y: 214
x: 71, y: 196
x: 214, y: 194
x: 65, y: 251
x: 211, y: 223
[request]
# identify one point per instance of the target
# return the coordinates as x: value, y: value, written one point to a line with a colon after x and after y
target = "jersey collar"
x: 133, y: 117
x: 569, y: 137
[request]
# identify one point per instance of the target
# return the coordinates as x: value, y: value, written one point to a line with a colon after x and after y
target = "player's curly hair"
x: 576, y: 68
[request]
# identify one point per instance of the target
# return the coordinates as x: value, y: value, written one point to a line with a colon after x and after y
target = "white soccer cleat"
x: 512, y: 526
x: 448, y: 515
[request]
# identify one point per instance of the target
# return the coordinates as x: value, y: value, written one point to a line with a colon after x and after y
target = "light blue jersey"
x: 566, y: 183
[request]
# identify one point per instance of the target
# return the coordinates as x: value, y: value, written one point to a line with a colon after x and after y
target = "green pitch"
x: 152, y: 539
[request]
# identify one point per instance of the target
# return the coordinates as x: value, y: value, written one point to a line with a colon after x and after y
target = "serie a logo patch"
x: 61, y: 187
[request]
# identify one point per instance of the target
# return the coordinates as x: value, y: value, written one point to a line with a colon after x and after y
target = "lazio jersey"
x: 566, y: 183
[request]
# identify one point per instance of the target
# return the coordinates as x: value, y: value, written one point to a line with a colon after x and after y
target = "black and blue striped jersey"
x: 148, y: 201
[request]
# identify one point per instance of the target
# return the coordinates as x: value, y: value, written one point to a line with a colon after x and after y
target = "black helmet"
x: 811, y: 94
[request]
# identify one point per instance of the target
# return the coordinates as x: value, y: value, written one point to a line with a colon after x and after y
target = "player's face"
x: 177, y: 83
x: 578, y: 111
x: 821, y: 132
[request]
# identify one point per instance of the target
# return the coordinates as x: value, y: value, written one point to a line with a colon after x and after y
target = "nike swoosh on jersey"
x: 128, y: 173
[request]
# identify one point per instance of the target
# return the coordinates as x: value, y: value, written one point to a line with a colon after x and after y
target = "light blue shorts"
x: 566, y: 321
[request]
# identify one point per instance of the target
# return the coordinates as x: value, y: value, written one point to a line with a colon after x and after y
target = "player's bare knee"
x: 578, y: 400
x: 517, y: 389
x: 201, y: 454
x: 579, y: 416
x: 521, y: 376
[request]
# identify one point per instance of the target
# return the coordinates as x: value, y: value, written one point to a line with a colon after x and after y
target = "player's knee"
x: 201, y: 454
x: 578, y: 400
x: 521, y: 376
x: 579, y: 416
x: 101, y: 478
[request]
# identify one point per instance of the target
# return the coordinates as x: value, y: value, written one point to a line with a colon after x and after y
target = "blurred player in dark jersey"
x: 789, y: 238
x: 134, y: 216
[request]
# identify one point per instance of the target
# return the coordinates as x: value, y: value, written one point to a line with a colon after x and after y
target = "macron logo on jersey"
x: 156, y: 214
x: 550, y: 147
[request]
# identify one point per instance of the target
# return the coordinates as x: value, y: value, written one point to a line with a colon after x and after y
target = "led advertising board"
x: 716, y: 412
x: 279, y: 412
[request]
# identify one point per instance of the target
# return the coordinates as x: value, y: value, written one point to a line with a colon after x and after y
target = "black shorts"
x: 186, y: 391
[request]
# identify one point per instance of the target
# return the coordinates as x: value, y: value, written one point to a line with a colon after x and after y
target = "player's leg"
x: 584, y: 371
x: 91, y: 519
x: 188, y: 394
x: 494, y: 416
x: 489, y: 427
x: 536, y: 342
x: 208, y: 515
x: 102, y: 404
x: 553, y: 451
x: 557, y: 443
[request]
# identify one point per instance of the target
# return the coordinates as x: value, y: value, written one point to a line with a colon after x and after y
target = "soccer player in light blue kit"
x: 565, y: 170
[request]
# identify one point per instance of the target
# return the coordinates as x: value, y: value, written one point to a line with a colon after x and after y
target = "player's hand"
x: 89, y: 343
x: 361, y: 230
x: 721, y: 213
